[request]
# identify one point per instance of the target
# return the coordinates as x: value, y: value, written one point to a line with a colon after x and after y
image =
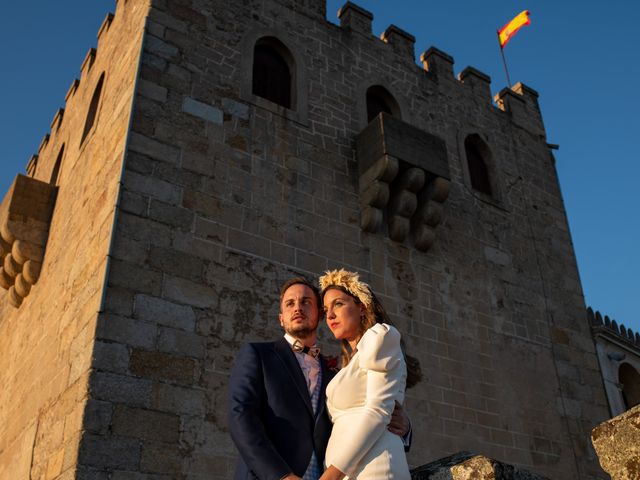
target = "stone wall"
x: 46, y: 345
x: 227, y: 194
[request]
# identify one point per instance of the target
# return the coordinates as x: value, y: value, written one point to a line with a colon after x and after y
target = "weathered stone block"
x: 161, y: 366
x: 164, y: 458
x: 85, y: 473
x: 121, y: 389
x: 153, y: 187
x: 177, y: 263
x: 125, y: 475
x: 617, y: 443
x: 188, y: 292
x: 202, y: 110
x: 111, y: 357
x: 153, y: 91
x: 132, y: 276
x: 163, y: 312
x: 198, y: 162
x: 468, y: 466
x: 237, y: 109
x: 160, y: 48
x: 145, y: 424
x: 176, y: 399
x: 180, y: 342
x: 97, y: 416
x: 143, y: 229
x: 386, y: 135
x: 109, y: 452
x: 249, y: 243
x: 154, y: 149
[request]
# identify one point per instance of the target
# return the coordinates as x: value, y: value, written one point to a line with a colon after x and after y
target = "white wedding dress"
x: 360, y: 399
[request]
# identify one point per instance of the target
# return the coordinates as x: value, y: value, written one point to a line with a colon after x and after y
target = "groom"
x: 277, y: 413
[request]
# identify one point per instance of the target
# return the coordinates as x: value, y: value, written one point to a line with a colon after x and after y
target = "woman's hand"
x: 332, y: 473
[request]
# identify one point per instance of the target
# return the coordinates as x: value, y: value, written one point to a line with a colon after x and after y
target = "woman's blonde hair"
x: 373, y: 312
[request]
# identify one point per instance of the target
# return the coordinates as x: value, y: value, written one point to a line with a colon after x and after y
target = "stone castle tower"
x: 209, y: 151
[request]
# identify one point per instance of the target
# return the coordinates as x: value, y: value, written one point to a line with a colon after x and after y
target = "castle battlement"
x: 355, y: 18
x: 72, y: 89
x: 437, y: 63
x: 604, y: 323
x: 43, y: 143
x: 57, y: 120
x: 46, y: 153
x: 87, y: 63
x: 439, y: 67
x: 106, y: 23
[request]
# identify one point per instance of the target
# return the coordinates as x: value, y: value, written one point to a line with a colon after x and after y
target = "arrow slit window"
x: 478, y: 161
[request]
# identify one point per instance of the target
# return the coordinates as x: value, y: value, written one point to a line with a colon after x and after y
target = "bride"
x: 361, y: 396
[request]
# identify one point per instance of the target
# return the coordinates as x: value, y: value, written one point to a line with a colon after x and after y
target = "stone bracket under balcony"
x: 404, y: 180
x: 25, y: 217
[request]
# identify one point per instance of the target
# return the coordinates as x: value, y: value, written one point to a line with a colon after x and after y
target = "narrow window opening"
x: 630, y: 380
x: 272, y: 71
x: 380, y: 100
x: 477, y: 157
x: 93, y: 109
x: 56, y: 167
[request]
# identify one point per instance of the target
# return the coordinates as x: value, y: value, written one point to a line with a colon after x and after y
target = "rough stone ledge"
x: 617, y: 443
x: 470, y: 466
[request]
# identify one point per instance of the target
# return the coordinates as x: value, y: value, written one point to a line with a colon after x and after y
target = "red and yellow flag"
x: 510, y: 29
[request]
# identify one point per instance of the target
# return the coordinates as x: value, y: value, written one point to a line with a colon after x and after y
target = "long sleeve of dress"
x: 381, y: 358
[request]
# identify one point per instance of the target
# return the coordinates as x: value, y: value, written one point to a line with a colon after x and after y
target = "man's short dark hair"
x: 301, y: 281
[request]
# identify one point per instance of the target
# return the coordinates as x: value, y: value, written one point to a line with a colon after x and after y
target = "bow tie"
x: 312, y: 351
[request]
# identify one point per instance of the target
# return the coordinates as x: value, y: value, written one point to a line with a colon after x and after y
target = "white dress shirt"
x: 310, y: 366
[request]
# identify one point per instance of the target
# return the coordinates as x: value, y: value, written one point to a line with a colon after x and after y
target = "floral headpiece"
x: 350, y: 282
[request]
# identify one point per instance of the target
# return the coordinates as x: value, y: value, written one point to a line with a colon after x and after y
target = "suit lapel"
x: 327, y: 375
x: 283, y: 350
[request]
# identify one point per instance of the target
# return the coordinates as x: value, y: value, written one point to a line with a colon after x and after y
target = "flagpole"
x: 504, y: 60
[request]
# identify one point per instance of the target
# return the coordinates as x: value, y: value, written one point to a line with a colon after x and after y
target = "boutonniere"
x: 332, y: 364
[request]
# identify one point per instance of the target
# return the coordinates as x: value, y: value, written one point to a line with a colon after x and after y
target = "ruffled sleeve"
x: 379, y: 355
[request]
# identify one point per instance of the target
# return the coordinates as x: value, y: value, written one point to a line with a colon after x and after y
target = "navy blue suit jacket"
x: 270, y: 415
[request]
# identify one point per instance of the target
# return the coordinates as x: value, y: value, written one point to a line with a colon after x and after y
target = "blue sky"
x: 582, y: 57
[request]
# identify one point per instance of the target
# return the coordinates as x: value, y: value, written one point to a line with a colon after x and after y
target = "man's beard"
x: 301, y: 332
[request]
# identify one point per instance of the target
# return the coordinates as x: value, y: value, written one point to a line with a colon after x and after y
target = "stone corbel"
x: 25, y: 216
x: 404, y: 180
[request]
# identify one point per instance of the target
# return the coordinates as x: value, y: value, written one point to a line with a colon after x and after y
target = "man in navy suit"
x: 277, y: 414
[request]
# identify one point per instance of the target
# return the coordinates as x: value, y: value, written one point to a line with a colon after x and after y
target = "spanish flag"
x: 510, y: 29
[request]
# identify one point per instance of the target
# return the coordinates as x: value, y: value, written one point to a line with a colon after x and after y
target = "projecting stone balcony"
x: 404, y: 180
x: 25, y: 216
